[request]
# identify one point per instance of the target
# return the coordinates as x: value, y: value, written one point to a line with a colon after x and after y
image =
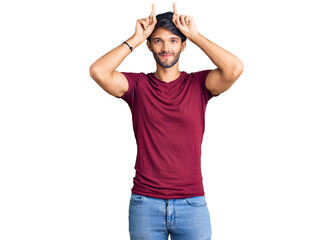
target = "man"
x: 168, y: 109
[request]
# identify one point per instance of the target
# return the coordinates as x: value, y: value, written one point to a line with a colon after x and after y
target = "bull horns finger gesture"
x: 145, y: 26
x: 184, y: 23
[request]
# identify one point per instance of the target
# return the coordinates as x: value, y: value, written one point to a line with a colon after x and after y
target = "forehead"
x: 163, y: 33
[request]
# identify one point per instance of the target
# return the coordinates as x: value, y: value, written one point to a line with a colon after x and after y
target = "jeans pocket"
x: 198, y: 201
x: 136, y: 199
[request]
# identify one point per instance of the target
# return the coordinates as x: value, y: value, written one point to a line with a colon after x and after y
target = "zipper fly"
x: 170, y: 210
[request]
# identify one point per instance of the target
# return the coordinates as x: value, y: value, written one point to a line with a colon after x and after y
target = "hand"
x: 184, y: 23
x: 145, y: 26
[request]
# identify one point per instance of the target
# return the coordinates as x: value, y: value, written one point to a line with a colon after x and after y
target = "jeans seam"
x: 137, y: 203
x: 196, y: 205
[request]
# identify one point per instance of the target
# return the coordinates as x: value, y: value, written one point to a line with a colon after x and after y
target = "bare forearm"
x: 103, y: 70
x: 224, y: 60
x: 111, y: 60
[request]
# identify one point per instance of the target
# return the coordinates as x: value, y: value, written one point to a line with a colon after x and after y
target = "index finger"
x: 153, y: 10
x: 175, y: 8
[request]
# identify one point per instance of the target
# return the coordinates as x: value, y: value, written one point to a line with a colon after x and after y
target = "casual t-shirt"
x: 168, y: 122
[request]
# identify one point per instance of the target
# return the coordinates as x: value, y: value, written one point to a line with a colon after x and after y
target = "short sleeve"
x: 132, y: 79
x: 202, y: 75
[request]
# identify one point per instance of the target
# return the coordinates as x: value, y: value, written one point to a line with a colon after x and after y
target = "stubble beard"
x: 166, y: 63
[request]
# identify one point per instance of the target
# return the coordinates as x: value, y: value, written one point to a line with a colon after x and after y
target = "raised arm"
x: 229, y: 67
x: 103, y: 70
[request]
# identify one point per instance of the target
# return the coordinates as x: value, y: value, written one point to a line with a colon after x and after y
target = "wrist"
x: 135, y: 40
x: 193, y: 37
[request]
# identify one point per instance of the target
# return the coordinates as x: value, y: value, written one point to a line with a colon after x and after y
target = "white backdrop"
x: 68, y: 149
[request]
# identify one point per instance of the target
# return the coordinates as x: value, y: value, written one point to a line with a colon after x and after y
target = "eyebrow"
x: 170, y: 38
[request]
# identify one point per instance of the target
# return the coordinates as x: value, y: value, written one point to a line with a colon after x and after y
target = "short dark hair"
x: 164, y: 20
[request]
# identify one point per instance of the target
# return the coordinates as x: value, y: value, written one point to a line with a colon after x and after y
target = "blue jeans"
x: 154, y: 218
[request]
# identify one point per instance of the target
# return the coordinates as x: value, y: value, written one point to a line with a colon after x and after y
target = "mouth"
x: 165, y: 55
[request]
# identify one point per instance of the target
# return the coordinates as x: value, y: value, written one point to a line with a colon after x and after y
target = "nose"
x: 165, y: 47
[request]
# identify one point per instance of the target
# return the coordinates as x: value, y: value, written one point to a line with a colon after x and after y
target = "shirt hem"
x: 170, y: 196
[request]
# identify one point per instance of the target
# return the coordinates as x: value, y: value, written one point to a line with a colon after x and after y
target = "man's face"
x: 166, y: 47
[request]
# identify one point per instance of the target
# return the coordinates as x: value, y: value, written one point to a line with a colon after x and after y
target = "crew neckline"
x: 181, y: 76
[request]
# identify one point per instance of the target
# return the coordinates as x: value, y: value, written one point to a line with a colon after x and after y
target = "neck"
x: 167, y: 74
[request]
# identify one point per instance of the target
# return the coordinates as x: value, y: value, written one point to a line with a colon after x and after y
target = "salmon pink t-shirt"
x: 168, y: 122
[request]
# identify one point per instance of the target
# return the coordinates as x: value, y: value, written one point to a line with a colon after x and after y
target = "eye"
x: 157, y: 41
x: 174, y: 41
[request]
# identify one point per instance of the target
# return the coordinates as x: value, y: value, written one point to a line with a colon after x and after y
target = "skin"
x: 166, y: 48
x: 228, y: 66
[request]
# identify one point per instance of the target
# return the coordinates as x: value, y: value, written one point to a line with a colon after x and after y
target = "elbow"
x: 239, y: 68
x: 93, y: 72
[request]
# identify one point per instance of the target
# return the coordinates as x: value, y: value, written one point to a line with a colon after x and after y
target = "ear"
x: 149, y: 47
x: 183, y: 46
